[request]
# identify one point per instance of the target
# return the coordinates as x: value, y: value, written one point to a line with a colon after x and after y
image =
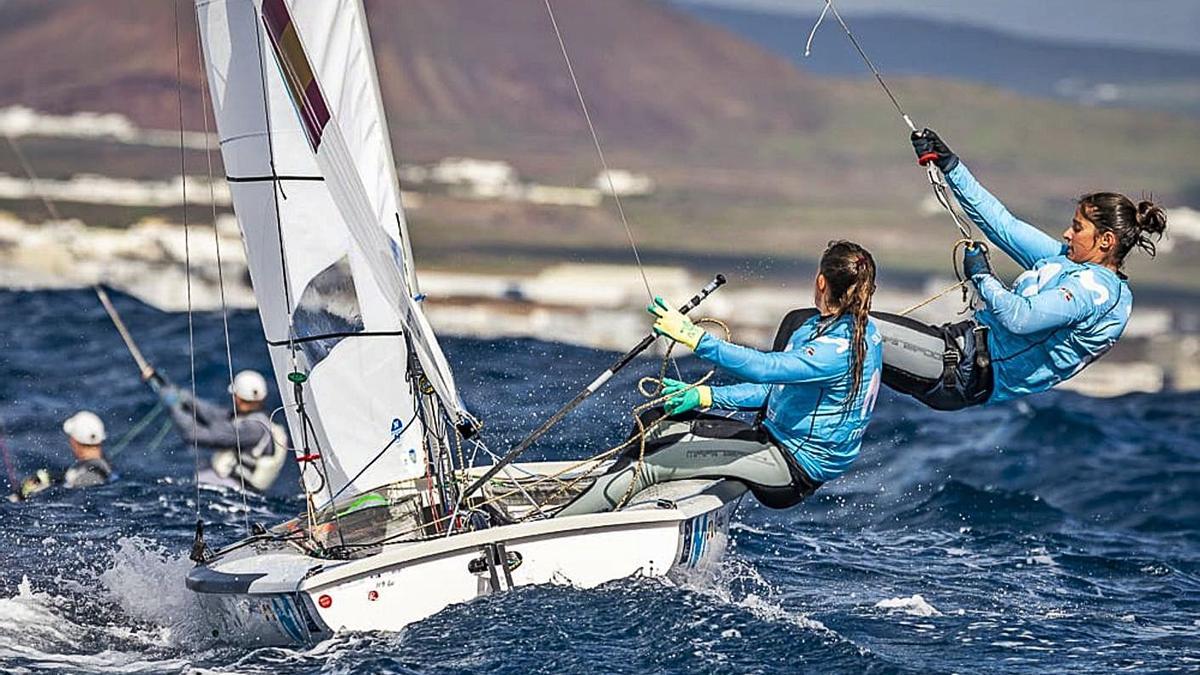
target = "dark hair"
x: 1133, y: 225
x: 849, y: 271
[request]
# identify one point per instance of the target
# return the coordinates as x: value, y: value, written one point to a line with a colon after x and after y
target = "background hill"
x: 758, y: 163
x: 484, y: 69
x: 1089, y: 74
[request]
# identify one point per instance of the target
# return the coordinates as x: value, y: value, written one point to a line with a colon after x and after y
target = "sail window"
x: 328, y: 312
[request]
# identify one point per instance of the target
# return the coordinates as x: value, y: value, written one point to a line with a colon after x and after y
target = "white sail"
x: 310, y: 169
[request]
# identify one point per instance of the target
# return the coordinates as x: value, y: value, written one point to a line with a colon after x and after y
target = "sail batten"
x: 297, y: 100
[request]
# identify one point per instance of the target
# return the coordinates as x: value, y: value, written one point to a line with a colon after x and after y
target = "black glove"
x: 931, y: 148
x: 975, y: 260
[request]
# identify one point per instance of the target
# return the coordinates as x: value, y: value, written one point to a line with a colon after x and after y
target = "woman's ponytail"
x: 1151, y: 220
x: 849, y: 270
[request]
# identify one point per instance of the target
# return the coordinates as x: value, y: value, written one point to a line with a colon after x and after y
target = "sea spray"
x: 914, y: 606
x: 36, y: 627
x: 147, y: 582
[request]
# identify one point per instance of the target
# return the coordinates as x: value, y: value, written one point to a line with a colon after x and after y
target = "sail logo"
x: 298, y: 75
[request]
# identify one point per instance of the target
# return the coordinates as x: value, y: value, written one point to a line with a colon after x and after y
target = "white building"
x: 624, y: 183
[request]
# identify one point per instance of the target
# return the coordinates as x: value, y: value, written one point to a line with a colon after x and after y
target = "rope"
x: 136, y: 430
x: 594, y: 460
x: 940, y: 189
x: 165, y: 429
x: 961, y: 283
x: 930, y: 299
x: 187, y: 253
x: 237, y: 434
x: 599, y: 150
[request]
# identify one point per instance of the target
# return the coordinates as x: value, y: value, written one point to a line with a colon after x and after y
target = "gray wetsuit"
x: 700, y: 446
x: 87, y: 473
x: 262, y: 450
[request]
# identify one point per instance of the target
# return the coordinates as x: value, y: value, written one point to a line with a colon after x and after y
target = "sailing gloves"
x: 975, y: 260
x: 931, y: 148
x: 673, y: 324
x: 682, y: 398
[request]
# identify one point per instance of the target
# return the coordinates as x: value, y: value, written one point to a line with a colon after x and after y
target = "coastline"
x: 597, y: 306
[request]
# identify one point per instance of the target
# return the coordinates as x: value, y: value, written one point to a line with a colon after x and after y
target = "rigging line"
x: 395, y: 437
x: 212, y: 199
x: 187, y: 254
x: 158, y: 438
x: 599, y: 151
x: 135, y: 430
x: 867, y: 59
x: 940, y: 190
x: 27, y: 167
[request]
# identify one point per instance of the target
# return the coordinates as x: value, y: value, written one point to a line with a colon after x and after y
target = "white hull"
x: 273, y: 594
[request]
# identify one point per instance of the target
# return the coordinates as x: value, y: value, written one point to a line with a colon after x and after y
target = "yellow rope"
x: 926, y: 301
x: 961, y: 283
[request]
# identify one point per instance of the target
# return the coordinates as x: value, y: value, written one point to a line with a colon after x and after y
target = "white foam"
x: 147, y: 583
x: 1039, y: 556
x: 34, y: 632
x: 734, y: 581
x: 914, y: 606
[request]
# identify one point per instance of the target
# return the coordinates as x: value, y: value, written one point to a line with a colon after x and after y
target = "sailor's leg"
x: 752, y: 462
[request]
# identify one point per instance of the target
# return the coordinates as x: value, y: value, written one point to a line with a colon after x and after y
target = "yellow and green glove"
x: 673, y: 324
x: 682, y: 401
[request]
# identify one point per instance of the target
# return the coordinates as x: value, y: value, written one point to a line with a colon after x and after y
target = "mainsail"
x: 310, y: 168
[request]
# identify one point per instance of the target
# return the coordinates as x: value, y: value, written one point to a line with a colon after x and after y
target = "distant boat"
x: 371, y: 403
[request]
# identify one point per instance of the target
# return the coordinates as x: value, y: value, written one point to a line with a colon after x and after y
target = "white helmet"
x: 85, y: 427
x: 249, y: 386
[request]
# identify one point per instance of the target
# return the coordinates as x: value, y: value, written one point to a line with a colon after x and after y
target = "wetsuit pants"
x: 946, y: 367
x: 700, y: 446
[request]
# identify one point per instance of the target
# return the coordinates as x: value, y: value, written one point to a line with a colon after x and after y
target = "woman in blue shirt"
x: 1065, y: 311
x: 814, y: 397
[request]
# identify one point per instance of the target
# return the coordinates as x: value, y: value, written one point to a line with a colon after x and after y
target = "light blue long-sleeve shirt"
x: 805, y: 390
x: 1059, y: 315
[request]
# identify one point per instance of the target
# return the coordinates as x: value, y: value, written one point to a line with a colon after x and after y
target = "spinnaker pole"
x: 587, y: 391
x: 142, y: 364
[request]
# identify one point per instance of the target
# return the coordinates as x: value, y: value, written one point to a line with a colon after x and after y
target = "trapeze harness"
x: 946, y: 367
x: 1058, y: 317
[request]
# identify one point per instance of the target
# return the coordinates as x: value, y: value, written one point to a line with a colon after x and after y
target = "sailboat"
x: 385, y: 444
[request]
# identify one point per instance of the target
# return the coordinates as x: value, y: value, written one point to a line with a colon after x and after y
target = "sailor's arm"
x: 812, y: 361
x: 1061, y: 305
x: 1023, y: 242
x: 204, y: 430
x: 744, y: 396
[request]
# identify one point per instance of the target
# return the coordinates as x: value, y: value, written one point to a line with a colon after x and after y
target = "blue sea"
x: 1060, y: 534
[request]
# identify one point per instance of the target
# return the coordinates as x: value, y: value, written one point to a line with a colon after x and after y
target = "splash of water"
x: 147, y: 583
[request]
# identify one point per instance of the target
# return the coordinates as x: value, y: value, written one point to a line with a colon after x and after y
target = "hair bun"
x: 1151, y: 218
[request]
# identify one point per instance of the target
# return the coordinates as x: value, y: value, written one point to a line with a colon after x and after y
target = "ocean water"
x: 1060, y: 534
